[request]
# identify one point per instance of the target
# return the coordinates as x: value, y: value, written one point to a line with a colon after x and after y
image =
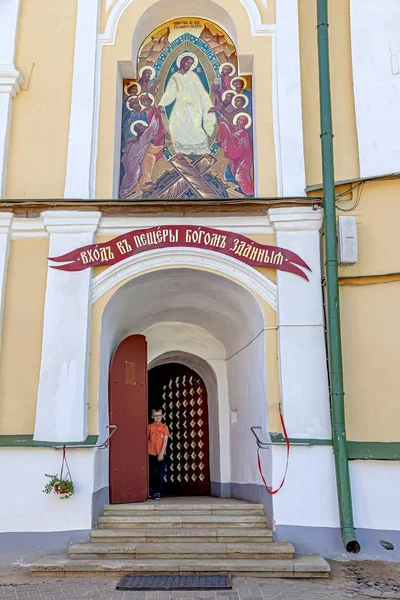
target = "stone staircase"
x: 184, y: 535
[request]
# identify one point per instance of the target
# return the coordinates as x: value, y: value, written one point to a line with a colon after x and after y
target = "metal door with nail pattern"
x: 182, y: 395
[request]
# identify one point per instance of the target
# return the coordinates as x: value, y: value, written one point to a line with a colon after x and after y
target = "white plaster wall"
x: 101, y: 467
x: 61, y: 412
x: 24, y: 507
x: 247, y: 396
x: 80, y: 140
x: 5, y: 238
x: 376, y: 494
x: 288, y: 112
x: 302, y: 349
x: 167, y: 337
x: 309, y: 495
x: 10, y: 79
x: 9, y: 13
x: 375, y: 42
x: 224, y: 308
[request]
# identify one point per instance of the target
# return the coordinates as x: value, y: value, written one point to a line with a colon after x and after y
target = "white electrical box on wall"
x: 347, y: 241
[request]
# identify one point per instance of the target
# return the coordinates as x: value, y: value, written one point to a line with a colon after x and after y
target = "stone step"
x: 173, y: 513
x: 203, y: 521
x: 162, y: 550
x: 180, y: 534
x: 153, y: 507
x: 309, y: 565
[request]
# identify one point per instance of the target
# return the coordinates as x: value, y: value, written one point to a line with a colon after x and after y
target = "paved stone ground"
x: 359, y: 580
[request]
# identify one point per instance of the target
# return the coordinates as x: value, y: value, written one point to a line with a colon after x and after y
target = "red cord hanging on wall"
x: 272, y: 492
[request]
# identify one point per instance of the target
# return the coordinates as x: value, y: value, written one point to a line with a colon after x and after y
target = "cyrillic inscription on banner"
x: 231, y: 244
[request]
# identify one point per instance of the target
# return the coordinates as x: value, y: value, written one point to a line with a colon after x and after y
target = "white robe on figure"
x: 190, y: 123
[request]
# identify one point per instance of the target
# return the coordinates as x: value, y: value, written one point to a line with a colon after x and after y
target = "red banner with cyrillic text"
x: 182, y: 236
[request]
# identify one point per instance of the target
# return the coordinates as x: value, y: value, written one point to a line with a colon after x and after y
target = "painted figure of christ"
x: 190, y: 123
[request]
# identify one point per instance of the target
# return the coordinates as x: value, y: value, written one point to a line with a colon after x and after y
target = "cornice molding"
x: 166, y: 258
x: 25, y: 228
x: 6, y: 219
x: 114, y: 226
x: 71, y: 221
x: 10, y: 80
x: 296, y: 219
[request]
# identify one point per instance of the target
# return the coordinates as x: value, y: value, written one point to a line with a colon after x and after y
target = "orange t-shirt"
x: 155, y: 437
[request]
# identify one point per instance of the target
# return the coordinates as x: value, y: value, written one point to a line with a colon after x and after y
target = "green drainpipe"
x: 333, y: 313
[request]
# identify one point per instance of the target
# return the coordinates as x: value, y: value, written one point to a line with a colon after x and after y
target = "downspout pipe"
x: 332, y: 289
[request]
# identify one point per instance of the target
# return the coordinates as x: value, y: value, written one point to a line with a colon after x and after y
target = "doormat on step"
x: 175, y: 582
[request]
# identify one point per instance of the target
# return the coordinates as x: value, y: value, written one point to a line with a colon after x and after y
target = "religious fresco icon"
x: 187, y: 121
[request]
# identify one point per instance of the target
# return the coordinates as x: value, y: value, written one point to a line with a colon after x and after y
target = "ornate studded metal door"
x: 183, y: 397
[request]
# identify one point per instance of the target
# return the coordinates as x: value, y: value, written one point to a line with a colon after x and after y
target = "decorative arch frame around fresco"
x: 218, y: 180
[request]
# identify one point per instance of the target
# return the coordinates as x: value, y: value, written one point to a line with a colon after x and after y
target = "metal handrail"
x: 265, y: 445
x: 260, y: 443
x: 102, y: 446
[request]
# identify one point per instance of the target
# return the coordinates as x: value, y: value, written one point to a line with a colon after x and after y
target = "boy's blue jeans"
x: 156, y: 474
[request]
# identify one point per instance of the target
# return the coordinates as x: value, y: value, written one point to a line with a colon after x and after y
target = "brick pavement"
x: 337, y: 588
x: 360, y: 580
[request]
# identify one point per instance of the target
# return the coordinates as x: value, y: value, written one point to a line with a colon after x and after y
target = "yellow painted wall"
x: 369, y: 316
x: 40, y: 123
x: 344, y: 123
x: 371, y: 350
x: 22, y: 335
x: 260, y: 47
x: 377, y: 216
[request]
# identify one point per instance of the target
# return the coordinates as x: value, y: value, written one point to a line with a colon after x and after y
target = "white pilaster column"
x: 302, y: 351
x: 77, y: 181
x: 293, y: 179
x: 5, y: 238
x: 61, y: 412
x: 10, y: 79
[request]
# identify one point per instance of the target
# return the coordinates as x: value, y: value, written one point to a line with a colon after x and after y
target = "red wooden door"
x: 128, y: 411
x: 182, y: 395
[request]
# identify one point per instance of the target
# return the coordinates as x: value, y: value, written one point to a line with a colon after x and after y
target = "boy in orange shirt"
x: 157, y: 439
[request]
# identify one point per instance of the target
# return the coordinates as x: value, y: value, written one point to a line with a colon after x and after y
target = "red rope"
x: 65, y: 463
x: 272, y: 492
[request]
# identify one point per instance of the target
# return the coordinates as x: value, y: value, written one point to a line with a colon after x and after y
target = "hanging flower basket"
x: 61, y: 485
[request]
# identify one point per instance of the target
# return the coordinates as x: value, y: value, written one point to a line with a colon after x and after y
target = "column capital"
x: 5, y: 221
x: 10, y: 80
x: 71, y: 221
x: 300, y: 218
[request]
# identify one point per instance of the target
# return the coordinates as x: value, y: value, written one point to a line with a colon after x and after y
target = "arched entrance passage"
x: 182, y: 395
x: 219, y: 324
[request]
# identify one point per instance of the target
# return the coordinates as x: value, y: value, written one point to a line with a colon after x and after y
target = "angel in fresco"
x: 190, y: 122
x: 150, y: 109
x: 235, y: 141
x: 139, y: 156
x: 146, y: 75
